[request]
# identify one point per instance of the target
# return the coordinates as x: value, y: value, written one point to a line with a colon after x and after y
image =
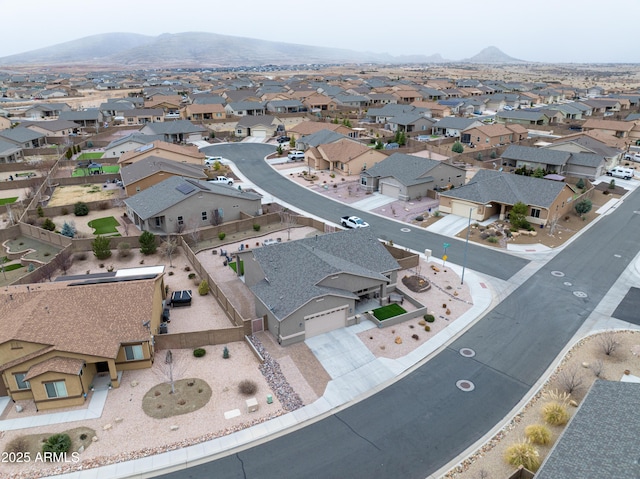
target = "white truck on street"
x: 353, y: 222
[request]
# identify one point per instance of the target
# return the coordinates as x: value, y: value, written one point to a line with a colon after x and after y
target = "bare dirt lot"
x: 69, y: 195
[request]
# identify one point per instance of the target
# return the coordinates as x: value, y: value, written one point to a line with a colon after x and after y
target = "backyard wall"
x: 417, y: 313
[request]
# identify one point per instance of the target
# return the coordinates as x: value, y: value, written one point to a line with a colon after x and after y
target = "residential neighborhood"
x: 137, y: 227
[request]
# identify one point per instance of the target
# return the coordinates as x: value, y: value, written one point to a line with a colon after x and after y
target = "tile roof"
x: 173, y: 127
x: 158, y: 146
x: 295, y: 269
x: 343, y: 150
x: 407, y: 169
x: 55, y: 364
x: 91, y: 319
x: 488, y: 186
x: 602, y: 438
x: 21, y: 135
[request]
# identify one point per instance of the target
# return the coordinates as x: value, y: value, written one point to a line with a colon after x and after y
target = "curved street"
x: 415, y: 426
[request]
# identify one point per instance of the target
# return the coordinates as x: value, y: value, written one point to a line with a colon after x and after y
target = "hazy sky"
x: 539, y: 30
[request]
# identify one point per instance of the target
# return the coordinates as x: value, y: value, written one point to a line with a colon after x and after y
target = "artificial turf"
x: 104, y: 226
x: 388, y: 311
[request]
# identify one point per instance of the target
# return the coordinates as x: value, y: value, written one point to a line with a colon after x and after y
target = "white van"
x: 620, y: 172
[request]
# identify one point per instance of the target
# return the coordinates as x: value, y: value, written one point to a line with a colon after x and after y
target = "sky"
x: 553, y: 31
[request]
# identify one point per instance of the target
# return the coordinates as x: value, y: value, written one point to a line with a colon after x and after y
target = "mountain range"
x: 210, y: 50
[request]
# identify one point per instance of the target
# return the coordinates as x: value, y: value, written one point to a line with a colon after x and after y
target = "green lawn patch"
x: 11, y: 267
x: 105, y: 169
x: 234, y: 267
x: 28, y: 174
x: 95, y: 155
x: 104, y: 226
x: 388, y: 311
x: 4, y: 201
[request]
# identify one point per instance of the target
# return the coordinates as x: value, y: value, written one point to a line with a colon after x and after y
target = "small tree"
x: 583, y: 206
x: 57, y: 443
x: 48, y: 224
x: 517, y: 216
x: 538, y: 173
x: 203, y: 288
x: 580, y: 183
x: 68, y: 229
x: 40, y: 211
x: 225, y: 353
x: 493, y: 155
x: 379, y: 145
x: 292, y: 141
x: 570, y: 380
x: 101, y: 247
x: 124, y: 249
x: 457, y: 147
x: 68, y: 154
x: 612, y: 184
x: 168, y: 249
x: 80, y: 209
x: 147, y: 243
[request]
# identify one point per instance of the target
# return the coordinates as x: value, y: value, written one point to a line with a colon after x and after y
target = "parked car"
x: 283, y: 139
x: 632, y: 156
x: 620, y: 172
x: 353, y: 222
x: 296, y: 155
x: 221, y: 180
x: 210, y: 160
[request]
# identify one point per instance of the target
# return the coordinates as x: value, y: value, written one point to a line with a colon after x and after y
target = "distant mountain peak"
x: 492, y: 54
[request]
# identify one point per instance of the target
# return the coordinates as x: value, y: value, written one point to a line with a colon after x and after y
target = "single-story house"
x: 176, y: 204
x: 454, y: 126
x: 245, y: 108
x: 24, y: 137
x: 344, y: 156
x: 522, y: 117
x: 563, y: 160
x: 546, y: 200
x: 141, y: 116
x: 46, y: 110
x: 152, y: 170
x: 54, y: 128
x: 57, y: 337
x: 10, y: 152
x: 204, y: 111
x: 169, y: 151
x: 92, y: 118
x: 314, y: 285
x: 177, y: 131
x: 263, y: 126
x: 619, y: 129
x: 407, y: 177
x: 486, y: 136
x: 120, y: 146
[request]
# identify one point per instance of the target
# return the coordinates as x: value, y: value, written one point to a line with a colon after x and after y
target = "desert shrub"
x: 580, y: 183
x: 187, y: 268
x: 247, y: 387
x: 203, y: 287
x: 492, y: 239
x: 57, y: 443
x: 221, y: 235
x: 538, y: 434
x: 124, y: 249
x: 19, y: 444
x: 225, y: 353
x: 429, y: 318
x: 64, y: 211
x: 80, y: 256
x: 523, y: 454
x: 427, y: 328
x: 256, y: 227
x: 48, y: 224
x: 147, y: 243
x: 40, y: 211
x: 80, y: 209
x: 555, y: 414
x: 199, y: 352
x: 191, y: 275
x: 101, y: 247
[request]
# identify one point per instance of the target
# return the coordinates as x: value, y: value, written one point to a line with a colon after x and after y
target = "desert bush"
x: 199, y: 352
x: 523, y: 454
x: 147, y: 243
x: 225, y: 353
x: 64, y: 211
x: 124, y: 249
x: 608, y: 343
x: 538, y: 434
x: 80, y: 256
x: 48, y: 224
x: 570, y: 379
x: 427, y: 328
x: 247, y: 387
x: 57, y: 443
x: 191, y: 275
x: 597, y: 366
x: 221, y: 235
x: 187, y: 268
x: 555, y: 414
x: 80, y: 209
x: 19, y: 444
x: 40, y: 211
x: 429, y: 318
x: 492, y: 239
x: 203, y: 287
x: 256, y: 227
x: 101, y: 247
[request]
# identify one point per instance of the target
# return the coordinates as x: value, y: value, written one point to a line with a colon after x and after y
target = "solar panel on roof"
x: 144, y: 148
x: 185, y: 188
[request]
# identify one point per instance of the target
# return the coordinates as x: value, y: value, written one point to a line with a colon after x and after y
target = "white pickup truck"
x: 221, y: 180
x: 353, y: 222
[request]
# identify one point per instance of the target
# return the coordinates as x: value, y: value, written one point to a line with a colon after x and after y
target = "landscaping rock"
x: 398, y: 340
x: 118, y: 420
x: 134, y: 384
x: 107, y: 427
x: 174, y: 427
x: 80, y: 449
x: 94, y: 439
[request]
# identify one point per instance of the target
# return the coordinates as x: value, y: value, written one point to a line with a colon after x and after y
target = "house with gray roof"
x: 262, y: 126
x: 120, y: 146
x: 522, y: 117
x: 176, y: 131
x: 176, y: 204
x: 454, y: 126
x: 152, y: 170
x: 24, y: 137
x: 9, y: 152
x: 411, y: 123
x: 85, y: 118
x: 408, y: 177
x: 56, y: 128
x: 245, y: 108
x: 285, y: 106
x: 601, y: 440
x: 492, y: 192
x: 314, y: 285
x: 318, y: 138
x: 568, y: 159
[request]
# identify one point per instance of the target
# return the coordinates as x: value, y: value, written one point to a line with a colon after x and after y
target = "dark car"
x: 283, y: 139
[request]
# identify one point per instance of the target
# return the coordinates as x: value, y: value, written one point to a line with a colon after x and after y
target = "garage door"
x: 460, y: 209
x: 259, y: 133
x: 392, y: 191
x: 325, y: 322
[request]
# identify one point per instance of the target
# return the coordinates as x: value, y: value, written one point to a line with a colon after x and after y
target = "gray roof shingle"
x: 536, y: 155
x: 407, y: 169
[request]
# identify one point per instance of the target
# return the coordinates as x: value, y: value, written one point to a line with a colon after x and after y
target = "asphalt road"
x: 249, y: 158
x: 418, y: 424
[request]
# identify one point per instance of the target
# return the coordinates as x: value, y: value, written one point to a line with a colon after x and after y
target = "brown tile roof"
x: 310, y: 127
x: 56, y: 365
x: 514, y: 127
x: 158, y: 147
x: 207, y: 108
x: 492, y: 130
x: 609, y: 125
x: 91, y: 319
x: 22, y: 359
x: 342, y: 150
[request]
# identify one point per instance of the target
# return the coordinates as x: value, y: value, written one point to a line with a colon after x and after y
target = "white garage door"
x: 460, y: 209
x: 325, y: 322
x: 392, y: 191
x: 259, y: 133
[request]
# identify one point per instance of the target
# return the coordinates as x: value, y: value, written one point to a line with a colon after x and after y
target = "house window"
x: 137, y: 189
x: 134, y: 352
x: 535, y: 212
x: 239, y: 132
x: 204, y: 216
x: 21, y: 383
x: 56, y: 389
x: 180, y: 220
x: 363, y: 181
